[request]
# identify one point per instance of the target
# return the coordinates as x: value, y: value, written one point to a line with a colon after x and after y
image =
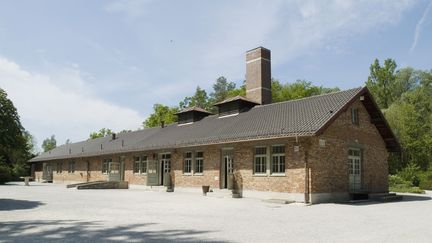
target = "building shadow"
x: 93, y: 231
x: 406, y: 198
x: 12, y: 204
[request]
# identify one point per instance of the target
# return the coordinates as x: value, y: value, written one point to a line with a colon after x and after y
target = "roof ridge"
x: 311, y: 97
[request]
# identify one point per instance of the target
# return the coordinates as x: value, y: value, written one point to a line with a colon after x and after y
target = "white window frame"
x: 135, y: 161
x: 142, y: 164
x: 261, y: 156
x: 195, y: 163
x: 277, y: 155
x: 187, y: 160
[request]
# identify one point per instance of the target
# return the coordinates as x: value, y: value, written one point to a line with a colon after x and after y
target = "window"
x: 187, y: 164
x: 199, y: 162
x: 278, y: 159
x: 260, y: 160
x: 354, y: 116
x: 71, y: 168
x: 59, y: 167
x: 166, y: 161
x: 143, y: 164
x: 105, y: 164
x: 140, y: 165
x: 137, y: 165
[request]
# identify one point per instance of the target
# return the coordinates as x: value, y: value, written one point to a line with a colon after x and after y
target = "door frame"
x: 223, y: 172
x: 355, y: 174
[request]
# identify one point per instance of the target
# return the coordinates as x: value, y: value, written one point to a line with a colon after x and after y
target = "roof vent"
x: 191, y: 114
x: 235, y: 105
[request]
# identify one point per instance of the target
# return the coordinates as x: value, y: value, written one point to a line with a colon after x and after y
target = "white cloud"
x: 419, y: 26
x: 210, y: 38
x: 68, y: 110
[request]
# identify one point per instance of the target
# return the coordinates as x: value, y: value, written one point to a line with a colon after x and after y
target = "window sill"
x: 187, y: 174
x: 259, y: 175
x: 198, y: 174
x: 278, y: 174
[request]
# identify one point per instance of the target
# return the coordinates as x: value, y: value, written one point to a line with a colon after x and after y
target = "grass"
x: 405, y: 188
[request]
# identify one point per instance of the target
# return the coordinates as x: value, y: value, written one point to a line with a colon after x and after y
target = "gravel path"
x: 47, y: 212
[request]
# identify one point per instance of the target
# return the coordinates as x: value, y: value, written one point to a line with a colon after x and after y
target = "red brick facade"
x: 325, y: 167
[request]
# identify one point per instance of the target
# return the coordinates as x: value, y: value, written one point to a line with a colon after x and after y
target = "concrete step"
x: 83, y: 183
x: 104, y: 185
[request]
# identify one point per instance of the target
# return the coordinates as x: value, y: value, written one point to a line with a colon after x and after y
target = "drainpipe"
x: 307, y: 174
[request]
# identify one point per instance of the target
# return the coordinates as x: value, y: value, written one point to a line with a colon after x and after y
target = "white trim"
x: 258, y: 59
x: 184, y: 124
x: 264, y: 88
x: 230, y: 115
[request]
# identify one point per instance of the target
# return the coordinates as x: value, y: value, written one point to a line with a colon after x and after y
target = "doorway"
x: 165, y: 168
x: 227, y: 169
x: 354, y: 169
x: 47, y: 174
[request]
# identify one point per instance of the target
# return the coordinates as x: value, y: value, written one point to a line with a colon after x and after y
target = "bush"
x: 426, y: 180
x: 411, y: 174
x: 5, y: 173
x: 398, y: 184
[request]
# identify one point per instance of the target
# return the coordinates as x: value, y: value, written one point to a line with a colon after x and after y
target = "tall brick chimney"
x: 258, y: 75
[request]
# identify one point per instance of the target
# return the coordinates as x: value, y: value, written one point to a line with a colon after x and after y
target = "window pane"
x: 199, y: 166
x: 136, y: 168
x: 199, y: 154
x: 278, y: 149
x: 261, y: 151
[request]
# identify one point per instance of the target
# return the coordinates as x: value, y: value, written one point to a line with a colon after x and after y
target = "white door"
x: 354, y: 167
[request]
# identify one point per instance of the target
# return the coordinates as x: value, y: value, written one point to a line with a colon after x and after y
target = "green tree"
x: 200, y: 99
x: 298, y: 89
x: 49, y: 143
x: 101, y: 133
x: 161, y: 113
x: 410, y: 118
x: 381, y: 82
x: 221, y: 89
x: 14, y: 141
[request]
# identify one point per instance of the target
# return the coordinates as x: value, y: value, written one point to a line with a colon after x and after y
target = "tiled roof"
x: 285, y: 119
x: 194, y: 108
x: 238, y: 97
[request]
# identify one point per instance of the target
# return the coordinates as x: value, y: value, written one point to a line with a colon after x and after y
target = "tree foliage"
x: 381, y: 82
x: 298, y: 89
x: 161, y: 113
x: 101, y: 133
x: 224, y: 89
x: 49, y: 143
x: 16, y: 143
x: 405, y: 97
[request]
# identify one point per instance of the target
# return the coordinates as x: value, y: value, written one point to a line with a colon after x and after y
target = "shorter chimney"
x: 113, y: 136
x: 258, y: 75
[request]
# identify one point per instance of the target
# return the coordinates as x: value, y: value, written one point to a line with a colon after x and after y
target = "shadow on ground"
x: 12, y: 204
x: 79, y: 231
x: 406, y: 198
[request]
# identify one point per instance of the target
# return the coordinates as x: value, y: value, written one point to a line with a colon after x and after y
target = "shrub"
x: 411, y: 174
x: 426, y: 180
x: 5, y: 173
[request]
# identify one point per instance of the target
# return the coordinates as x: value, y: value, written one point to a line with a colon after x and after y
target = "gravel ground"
x: 47, y: 212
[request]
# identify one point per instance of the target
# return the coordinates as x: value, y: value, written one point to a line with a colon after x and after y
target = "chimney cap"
x: 259, y: 47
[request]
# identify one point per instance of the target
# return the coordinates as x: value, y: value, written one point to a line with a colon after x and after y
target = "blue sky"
x: 72, y: 67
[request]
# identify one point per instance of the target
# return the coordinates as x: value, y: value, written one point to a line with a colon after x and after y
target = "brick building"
x: 316, y: 149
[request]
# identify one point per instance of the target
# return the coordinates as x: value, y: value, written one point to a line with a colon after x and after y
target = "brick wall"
x: 329, y: 164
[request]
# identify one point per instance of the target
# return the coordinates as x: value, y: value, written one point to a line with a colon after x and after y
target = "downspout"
x: 307, y: 184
